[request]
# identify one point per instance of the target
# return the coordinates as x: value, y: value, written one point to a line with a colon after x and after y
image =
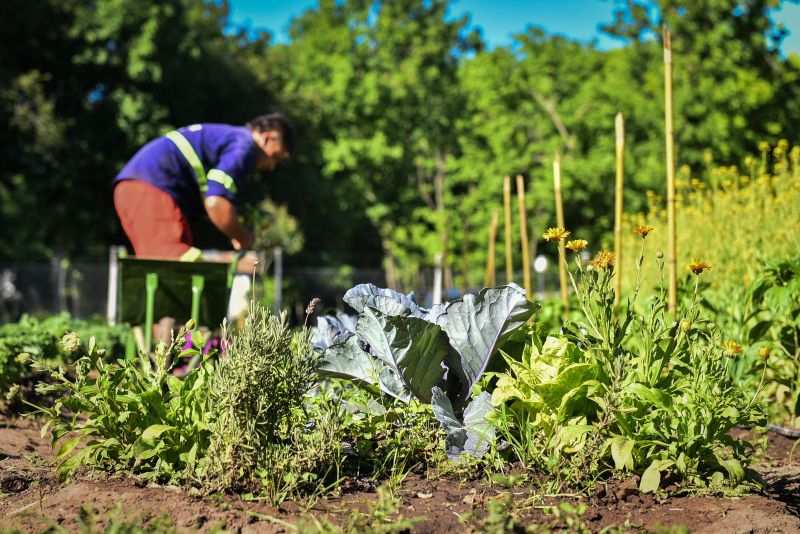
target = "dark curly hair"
x: 274, y: 122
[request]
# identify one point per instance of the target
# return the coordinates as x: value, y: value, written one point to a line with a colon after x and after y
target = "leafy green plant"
x: 274, y: 226
x: 384, y: 438
x: 130, y: 415
x: 39, y: 338
x: 435, y: 355
x: 764, y: 317
x: 776, y: 338
x: 644, y: 393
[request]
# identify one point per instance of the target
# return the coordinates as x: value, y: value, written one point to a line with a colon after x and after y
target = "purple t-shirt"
x: 226, y: 153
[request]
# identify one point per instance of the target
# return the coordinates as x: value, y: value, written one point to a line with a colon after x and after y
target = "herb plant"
x: 258, y: 396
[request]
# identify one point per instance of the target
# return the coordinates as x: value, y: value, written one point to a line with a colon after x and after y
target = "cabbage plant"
x: 434, y: 355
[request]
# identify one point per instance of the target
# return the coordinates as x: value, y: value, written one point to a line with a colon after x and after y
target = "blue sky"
x: 499, y: 19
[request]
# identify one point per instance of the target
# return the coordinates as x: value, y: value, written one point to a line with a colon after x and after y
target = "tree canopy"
x: 407, y: 121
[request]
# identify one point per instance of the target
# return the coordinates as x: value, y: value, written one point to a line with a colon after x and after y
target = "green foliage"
x: 130, y: 415
x: 629, y: 392
x: 386, y: 438
x: 765, y: 319
x: 39, y: 338
x: 245, y: 422
x: 257, y: 394
x: 275, y: 227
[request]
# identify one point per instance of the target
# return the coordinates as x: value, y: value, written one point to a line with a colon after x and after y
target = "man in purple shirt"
x: 190, y: 172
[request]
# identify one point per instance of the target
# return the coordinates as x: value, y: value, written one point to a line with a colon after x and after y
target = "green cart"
x: 150, y: 289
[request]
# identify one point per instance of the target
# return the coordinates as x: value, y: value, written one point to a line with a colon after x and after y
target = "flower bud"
x: 71, y: 343
x: 12, y: 392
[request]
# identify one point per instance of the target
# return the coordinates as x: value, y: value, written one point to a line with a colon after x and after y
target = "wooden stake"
x: 619, y: 126
x: 507, y: 210
x: 489, y: 276
x: 672, y: 256
x: 562, y: 251
x: 523, y: 235
x: 464, y: 257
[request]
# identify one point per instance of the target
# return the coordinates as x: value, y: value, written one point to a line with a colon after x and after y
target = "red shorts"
x: 153, y: 222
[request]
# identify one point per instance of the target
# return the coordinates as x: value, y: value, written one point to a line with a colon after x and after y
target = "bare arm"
x: 224, y: 216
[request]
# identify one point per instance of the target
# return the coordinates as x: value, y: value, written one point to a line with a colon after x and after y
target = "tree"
x: 382, y: 77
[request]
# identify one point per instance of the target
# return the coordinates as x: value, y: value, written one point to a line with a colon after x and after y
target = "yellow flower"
x: 764, y: 352
x: 643, y: 230
x: 698, y: 267
x: 576, y: 245
x: 731, y: 348
x: 555, y: 234
x: 603, y: 260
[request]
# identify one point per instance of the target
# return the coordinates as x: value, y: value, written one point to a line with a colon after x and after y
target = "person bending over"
x: 192, y: 171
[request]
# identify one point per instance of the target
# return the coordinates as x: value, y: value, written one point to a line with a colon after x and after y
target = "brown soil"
x: 32, y: 499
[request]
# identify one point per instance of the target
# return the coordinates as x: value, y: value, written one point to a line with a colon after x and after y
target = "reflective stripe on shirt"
x: 185, y: 148
x: 221, y: 177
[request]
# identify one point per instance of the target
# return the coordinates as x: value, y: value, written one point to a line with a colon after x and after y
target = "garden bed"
x: 33, y: 499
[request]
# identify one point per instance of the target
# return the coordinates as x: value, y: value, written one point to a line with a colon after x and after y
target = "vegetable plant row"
x: 486, y: 384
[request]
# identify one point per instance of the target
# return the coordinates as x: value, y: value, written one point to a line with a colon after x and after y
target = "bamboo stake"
x: 489, y: 276
x: 619, y: 126
x: 562, y: 251
x: 464, y: 257
x: 672, y: 256
x: 523, y: 235
x: 507, y: 210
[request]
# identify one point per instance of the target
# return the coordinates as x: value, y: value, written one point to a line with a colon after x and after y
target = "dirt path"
x: 31, y: 499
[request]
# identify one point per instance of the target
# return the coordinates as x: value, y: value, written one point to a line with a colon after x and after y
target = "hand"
x: 247, y: 263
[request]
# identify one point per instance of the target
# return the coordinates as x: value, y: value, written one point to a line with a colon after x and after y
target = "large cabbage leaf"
x: 413, y: 349
x: 477, y: 325
x: 332, y: 329
x: 346, y: 359
x: 474, y: 434
x: 386, y: 301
